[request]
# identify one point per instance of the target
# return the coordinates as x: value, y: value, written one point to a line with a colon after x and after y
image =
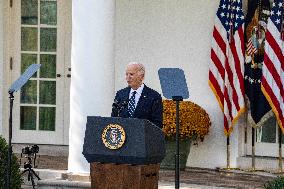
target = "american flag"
x: 226, y: 69
x: 272, y: 83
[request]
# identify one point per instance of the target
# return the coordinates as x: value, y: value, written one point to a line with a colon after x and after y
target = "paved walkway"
x: 169, y: 185
x: 192, y: 178
x: 218, y: 178
x: 198, y: 179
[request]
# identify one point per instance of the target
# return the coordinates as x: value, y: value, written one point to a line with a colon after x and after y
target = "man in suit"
x: 137, y: 100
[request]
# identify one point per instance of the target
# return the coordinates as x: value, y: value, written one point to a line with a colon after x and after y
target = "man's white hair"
x: 141, y: 67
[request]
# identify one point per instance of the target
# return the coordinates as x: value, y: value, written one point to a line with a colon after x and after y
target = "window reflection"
x: 267, y: 133
x: 29, y: 12
x: 39, y: 45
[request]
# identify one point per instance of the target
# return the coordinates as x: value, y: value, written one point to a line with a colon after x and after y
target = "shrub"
x: 277, y: 183
x: 194, y: 121
x: 15, y: 179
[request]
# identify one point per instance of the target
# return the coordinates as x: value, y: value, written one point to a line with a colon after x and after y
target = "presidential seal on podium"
x: 113, y: 136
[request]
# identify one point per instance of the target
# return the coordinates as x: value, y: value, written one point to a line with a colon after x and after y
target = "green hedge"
x: 15, y: 179
x: 277, y: 183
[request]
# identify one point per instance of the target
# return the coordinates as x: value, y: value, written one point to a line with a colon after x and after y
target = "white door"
x: 41, y: 34
x: 266, y: 139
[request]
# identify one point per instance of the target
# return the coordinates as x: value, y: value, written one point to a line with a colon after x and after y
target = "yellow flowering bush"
x: 194, y: 122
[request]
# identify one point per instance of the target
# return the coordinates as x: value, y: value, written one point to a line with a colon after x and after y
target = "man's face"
x: 133, y: 77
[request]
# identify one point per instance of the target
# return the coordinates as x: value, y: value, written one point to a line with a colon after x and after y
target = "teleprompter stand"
x: 174, y: 87
x: 21, y: 81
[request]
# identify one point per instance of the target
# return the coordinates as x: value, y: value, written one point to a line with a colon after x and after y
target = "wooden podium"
x: 122, y: 176
x: 134, y: 164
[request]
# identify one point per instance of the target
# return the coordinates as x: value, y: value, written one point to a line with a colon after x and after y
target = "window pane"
x: 27, y: 60
x: 47, y: 92
x: 47, y: 118
x: 48, y: 66
x: 29, y: 12
x: 28, y: 92
x: 48, y: 12
x: 28, y: 118
x: 282, y: 136
x: 267, y: 133
x: 48, y: 39
x: 29, y: 39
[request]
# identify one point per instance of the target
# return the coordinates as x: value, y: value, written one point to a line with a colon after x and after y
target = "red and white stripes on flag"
x: 251, y: 49
x: 272, y: 83
x: 226, y: 69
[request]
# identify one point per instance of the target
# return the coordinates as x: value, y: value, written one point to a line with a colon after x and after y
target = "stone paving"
x: 217, y: 178
x: 191, y: 178
x: 210, y: 179
x: 167, y: 185
x: 170, y: 185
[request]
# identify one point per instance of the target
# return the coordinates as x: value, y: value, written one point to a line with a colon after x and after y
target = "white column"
x: 92, y: 62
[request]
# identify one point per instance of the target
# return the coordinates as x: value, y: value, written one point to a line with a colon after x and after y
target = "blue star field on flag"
x: 231, y: 15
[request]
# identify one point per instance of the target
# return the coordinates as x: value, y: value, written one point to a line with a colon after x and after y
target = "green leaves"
x: 277, y: 183
x: 16, y: 179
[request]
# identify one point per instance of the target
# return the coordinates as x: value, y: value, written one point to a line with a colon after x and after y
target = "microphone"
x: 115, y: 104
x: 119, y: 106
x: 124, y: 104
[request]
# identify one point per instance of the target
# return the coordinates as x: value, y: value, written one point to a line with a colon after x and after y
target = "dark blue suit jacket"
x: 148, y: 107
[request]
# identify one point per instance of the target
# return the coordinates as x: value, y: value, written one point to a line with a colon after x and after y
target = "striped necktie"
x: 131, y: 104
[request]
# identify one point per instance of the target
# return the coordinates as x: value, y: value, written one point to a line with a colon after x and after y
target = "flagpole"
x: 253, y: 149
x: 280, y: 149
x: 228, y: 152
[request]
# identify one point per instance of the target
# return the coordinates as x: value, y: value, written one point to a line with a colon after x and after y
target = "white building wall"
x: 1, y: 62
x: 175, y: 33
